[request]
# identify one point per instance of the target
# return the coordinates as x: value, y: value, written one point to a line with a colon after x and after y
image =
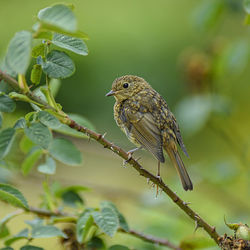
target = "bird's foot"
x: 159, y: 178
x: 130, y: 154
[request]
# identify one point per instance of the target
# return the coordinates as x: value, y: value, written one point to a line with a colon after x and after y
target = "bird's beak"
x: 110, y: 93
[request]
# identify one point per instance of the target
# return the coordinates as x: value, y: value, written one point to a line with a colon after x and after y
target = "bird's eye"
x: 125, y: 85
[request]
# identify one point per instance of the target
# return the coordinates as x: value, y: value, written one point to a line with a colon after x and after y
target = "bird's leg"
x: 130, y: 152
x: 158, y: 176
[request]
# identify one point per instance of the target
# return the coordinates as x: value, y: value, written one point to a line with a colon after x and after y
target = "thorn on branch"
x: 176, y: 199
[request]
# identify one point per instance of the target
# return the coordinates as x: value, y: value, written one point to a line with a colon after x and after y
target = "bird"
x: 144, y: 116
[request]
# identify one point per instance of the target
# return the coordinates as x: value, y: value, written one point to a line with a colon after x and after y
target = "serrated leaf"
x: 46, y: 232
x: 12, y: 196
x: 30, y: 247
x: 60, y: 16
x: 48, y: 119
x: 20, y: 236
x: 58, y: 65
x: 122, y: 221
x: 25, y: 144
x: 31, y: 160
x: 49, y: 167
x: 107, y: 220
x: 6, y: 141
x: 38, y: 50
x: 83, y: 225
x: 19, y: 50
x: 64, y: 129
x: 65, y: 151
x: 39, y: 134
x: 20, y: 123
x: 7, y: 104
x: 73, y: 44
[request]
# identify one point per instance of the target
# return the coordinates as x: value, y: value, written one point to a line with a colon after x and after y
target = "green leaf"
x: 36, y: 74
x: 12, y: 196
x: 83, y: 225
x: 208, y: 13
x: 25, y: 144
x: 96, y: 243
x: 246, y: 5
x: 6, y: 141
x: 31, y: 159
x: 29, y: 247
x: 122, y: 221
x: 46, y: 232
x: 48, y: 119
x: 49, y: 167
x: 4, y: 231
x: 20, y: 236
x: 37, y: 222
x: 194, y: 112
x: 118, y: 247
x: 7, y: 104
x: 38, y: 50
x: 65, y: 151
x: 75, y: 188
x: 7, y: 248
x: 1, y: 120
x: 55, y: 85
x: 19, y: 50
x: 72, y: 199
x: 39, y: 134
x: 73, y: 44
x: 64, y: 129
x: 8, y: 217
x: 60, y: 16
x: 20, y: 123
x: 58, y: 65
x: 107, y: 220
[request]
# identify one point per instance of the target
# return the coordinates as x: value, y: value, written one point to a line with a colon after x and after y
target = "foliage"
x: 47, y: 48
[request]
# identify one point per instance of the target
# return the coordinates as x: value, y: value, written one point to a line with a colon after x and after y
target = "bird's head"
x: 127, y: 86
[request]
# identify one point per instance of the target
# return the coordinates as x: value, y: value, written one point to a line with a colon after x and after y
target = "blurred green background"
x: 196, y: 55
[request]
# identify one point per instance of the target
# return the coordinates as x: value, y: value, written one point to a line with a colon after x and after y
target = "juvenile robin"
x: 147, y: 121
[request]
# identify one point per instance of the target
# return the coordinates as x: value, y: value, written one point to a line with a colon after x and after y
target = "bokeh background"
x: 196, y: 54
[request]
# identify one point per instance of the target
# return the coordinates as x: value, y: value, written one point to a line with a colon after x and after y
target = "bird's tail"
x: 180, y: 167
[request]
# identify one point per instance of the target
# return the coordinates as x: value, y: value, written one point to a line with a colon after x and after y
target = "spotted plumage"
x: 145, y: 118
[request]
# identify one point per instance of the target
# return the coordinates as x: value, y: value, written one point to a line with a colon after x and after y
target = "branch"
x: 123, y: 154
x: 151, y: 239
x: 73, y: 219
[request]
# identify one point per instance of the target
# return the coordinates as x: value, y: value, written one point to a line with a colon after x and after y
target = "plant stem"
x: 123, y: 154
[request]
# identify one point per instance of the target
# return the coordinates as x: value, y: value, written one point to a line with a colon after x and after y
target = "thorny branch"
x: 123, y: 154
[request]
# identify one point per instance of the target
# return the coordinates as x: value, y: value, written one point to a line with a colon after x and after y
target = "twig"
x: 123, y: 154
x: 151, y: 239
x: 145, y: 237
x: 46, y: 213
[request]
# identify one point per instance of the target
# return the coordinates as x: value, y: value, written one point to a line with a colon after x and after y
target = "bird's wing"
x: 177, y: 132
x: 144, y: 130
